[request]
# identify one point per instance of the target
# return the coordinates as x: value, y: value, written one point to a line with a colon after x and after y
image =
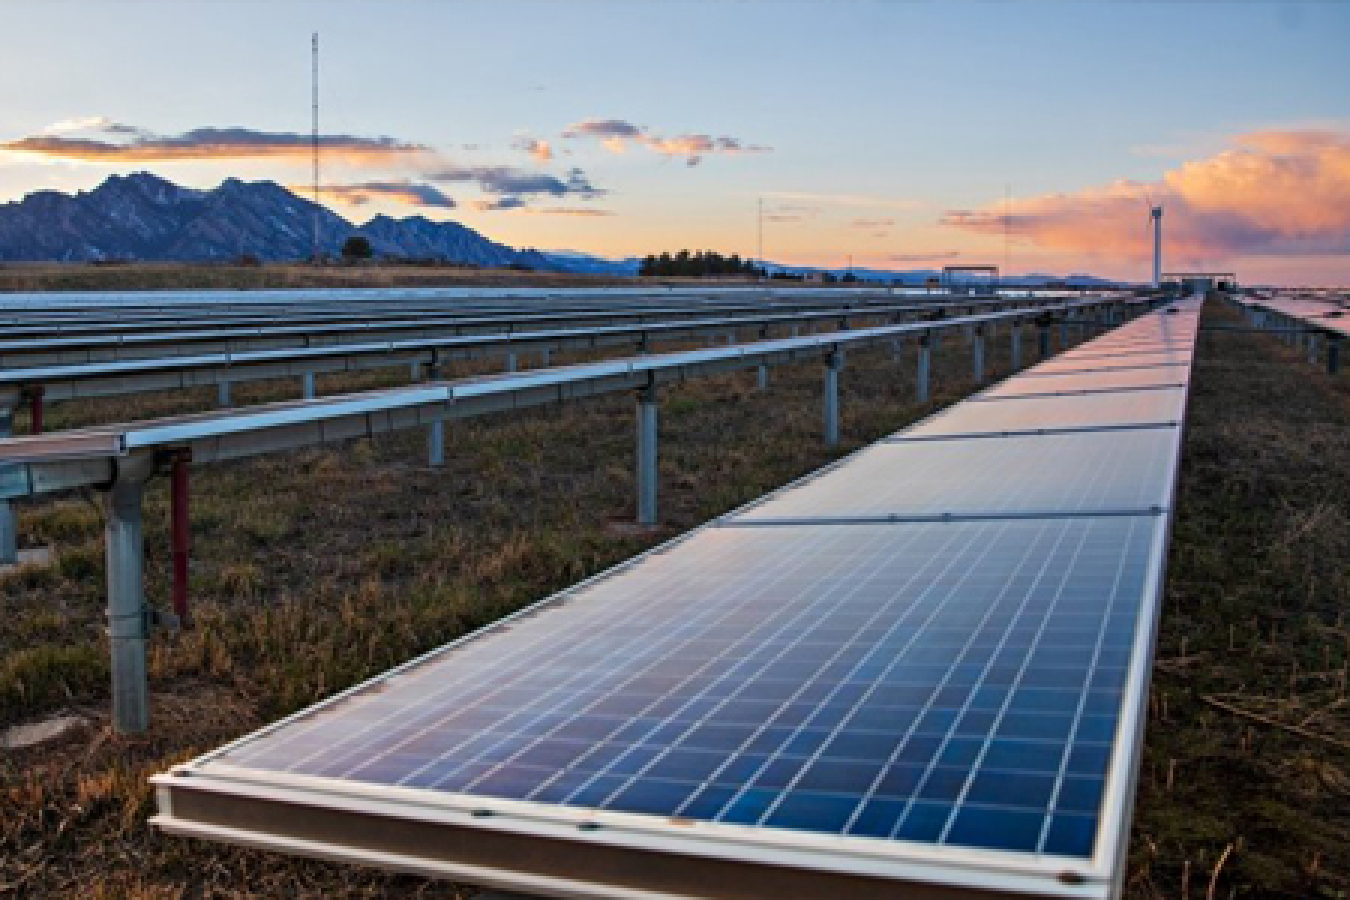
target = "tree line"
x: 704, y: 262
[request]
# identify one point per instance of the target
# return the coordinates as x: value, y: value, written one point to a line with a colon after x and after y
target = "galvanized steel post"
x: 1312, y: 348
x: 223, y: 394
x: 128, y: 616
x: 647, y: 472
x: 308, y: 380
x: 1043, y: 342
x: 832, y: 366
x: 1016, y: 346
x: 511, y: 362
x: 436, y: 429
x: 543, y: 358
x: 925, y: 360
x: 977, y: 354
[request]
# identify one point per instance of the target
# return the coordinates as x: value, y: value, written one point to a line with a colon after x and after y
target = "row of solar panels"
x: 1329, y: 314
x: 104, y: 302
x: 921, y: 671
x: 27, y: 347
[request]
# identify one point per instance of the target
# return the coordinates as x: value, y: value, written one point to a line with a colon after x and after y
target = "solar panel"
x: 925, y: 664
x: 1069, y: 382
x: 961, y: 686
x: 1120, y: 409
x: 1076, y: 363
x: 1039, y: 474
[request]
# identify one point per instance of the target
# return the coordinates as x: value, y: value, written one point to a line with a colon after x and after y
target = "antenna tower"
x: 314, y: 146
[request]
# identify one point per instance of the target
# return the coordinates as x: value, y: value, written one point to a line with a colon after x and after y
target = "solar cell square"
x: 901, y: 703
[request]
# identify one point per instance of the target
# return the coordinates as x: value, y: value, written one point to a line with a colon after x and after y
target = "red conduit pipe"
x: 181, y: 535
x: 37, y: 410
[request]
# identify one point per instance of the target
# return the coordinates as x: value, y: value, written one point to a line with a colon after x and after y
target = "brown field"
x: 314, y: 570
x: 185, y: 276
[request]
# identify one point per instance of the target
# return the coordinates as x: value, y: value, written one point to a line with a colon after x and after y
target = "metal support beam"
x: 543, y: 358
x: 1016, y: 346
x: 511, y: 362
x: 180, y: 531
x: 977, y: 354
x: 925, y: 363
x: 128, y: 616
x: 36, y: 405
x: 833, y: 363
x: 308, y: 383
x: 763, y: 380
x: 1043, y: 342
x: 415, y: 371
x: 436, y: 430
x: 647, y: 471
x: 9, y: 530
x: 1333, y: 355
x: 1312, y: 348
x: 223, y: 394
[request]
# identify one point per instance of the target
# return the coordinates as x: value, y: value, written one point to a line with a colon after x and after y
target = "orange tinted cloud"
x: 540, y: 150
x: 214, y: 143
x: 1273, y: 193
x: 617, y: 135
x: 405, y: 192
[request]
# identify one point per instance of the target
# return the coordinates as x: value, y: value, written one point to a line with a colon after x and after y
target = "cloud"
x: 509, y: 180
x: 871, y: 224
x: 211, y: 143
x: 540, y: 150
x: 783, y: 217
x: 931, y: 256
x: 406, y: 192
x: 568, y: 211
x: 497, y: 204
x: 618, y: 135
x: 864, y: 200
x: 1273, y: 193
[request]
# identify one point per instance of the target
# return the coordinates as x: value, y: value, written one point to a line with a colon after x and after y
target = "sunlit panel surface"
x: 942, y: 683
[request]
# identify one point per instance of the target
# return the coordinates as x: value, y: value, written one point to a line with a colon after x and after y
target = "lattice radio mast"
x: 314, y: 145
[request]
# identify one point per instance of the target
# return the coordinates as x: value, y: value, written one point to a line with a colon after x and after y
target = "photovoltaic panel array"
x: 923, y: 666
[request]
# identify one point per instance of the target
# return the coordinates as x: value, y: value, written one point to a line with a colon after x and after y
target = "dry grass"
x: 314, y: 570
x: 1254, y: 625
x: 203, y: 276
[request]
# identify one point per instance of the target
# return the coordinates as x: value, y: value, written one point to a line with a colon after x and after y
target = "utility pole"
x: 314, y: 146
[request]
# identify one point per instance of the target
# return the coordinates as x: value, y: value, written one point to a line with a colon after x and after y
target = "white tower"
x: 1155, y: 212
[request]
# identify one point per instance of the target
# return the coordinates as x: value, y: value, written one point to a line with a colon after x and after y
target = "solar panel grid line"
x: 784, y: 652
x: 1003, y: 710
x: 897, y: 624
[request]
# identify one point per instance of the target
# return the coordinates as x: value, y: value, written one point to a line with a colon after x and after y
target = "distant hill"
x: 145, y: 217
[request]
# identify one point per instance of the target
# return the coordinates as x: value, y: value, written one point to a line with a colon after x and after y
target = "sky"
x: 901, y: 135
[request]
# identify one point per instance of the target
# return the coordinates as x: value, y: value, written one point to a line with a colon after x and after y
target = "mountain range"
x: 145, y: 217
